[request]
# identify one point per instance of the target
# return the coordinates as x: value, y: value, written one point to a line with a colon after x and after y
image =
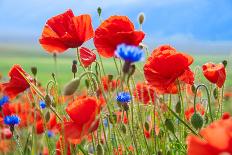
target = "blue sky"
x: 193, y: 25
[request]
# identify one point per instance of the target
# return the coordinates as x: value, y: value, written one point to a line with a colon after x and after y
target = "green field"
x: 45, y: 64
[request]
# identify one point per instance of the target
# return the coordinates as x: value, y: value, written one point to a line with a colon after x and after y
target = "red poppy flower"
x: 50, y: 125
x: 84, y: 115
x: 190, y: 111
x: 217, y: 139
x: 165, y: 66
x: 215, y: 73
x: 87, y: 56
x: 66, y: 31
x: 144, y: 93
x: 114, y: 31
x: 17, y: 83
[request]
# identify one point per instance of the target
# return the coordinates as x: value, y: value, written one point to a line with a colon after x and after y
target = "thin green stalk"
x: 209, y: 102
x: 194, y: 132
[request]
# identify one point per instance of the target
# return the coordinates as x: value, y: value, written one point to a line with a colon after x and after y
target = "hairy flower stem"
x: 222, y: 97
x: 209, y: 102
x: 116, y: 65
x: 139, y: 115
x: 16, y: 138
x: 182, y: 106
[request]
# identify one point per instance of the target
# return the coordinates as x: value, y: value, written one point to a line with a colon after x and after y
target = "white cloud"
x: 188, y: 43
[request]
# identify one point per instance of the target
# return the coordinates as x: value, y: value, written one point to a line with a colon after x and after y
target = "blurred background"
x: 202, y: 28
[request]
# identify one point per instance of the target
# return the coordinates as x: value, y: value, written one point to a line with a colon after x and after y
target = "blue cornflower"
x: 11, y: 120
x: 123, y: 97
x: 42, y: 104
x: 50, y: 133
x: 130, y: 53
x: 4, y: 100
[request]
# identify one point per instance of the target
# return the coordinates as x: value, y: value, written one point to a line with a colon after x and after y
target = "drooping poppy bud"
x: 197, y: 121
x: 169, y: 125
x: 71, y: 87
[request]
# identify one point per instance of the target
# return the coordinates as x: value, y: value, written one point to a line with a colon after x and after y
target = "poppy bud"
x: 146, y: 125
x: 99, y: 11
x: 47, y: 116
x: 159, y: 152
x: 74, y: 67
x: 87, y: 83
x: 123, y: 128
x: 224, y: 62
x: 169, y: 152
x: 215, y: 93
x: 206, y: 119
x: 71, y: 87
x: 141, y: 18
x: 197, y: 121
x: 110, y: 77
x: 34, y: 70
x: 161, y: 133
x: 100, y: 150
x: 193, y: 88
x: 48, y: 100
x: 169, y: 125
x: 53, y: 75
x: 178, y: 107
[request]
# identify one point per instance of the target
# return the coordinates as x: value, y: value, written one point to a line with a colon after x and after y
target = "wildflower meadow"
x: 123, y: 98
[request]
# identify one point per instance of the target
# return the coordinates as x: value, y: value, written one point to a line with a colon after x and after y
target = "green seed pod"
x: 170, y: 126
x: 34, y: 70
x: 178, y: 107
x: 71, y: 87
x: 141, y: 18
x: 100, y: 150
x: 197, y: 121
x: 224, y: 62
x: 99, y: 11
x: 123, y: 128
x: 215, y: 93
x: 48, y: 100
x: 110, y: 77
